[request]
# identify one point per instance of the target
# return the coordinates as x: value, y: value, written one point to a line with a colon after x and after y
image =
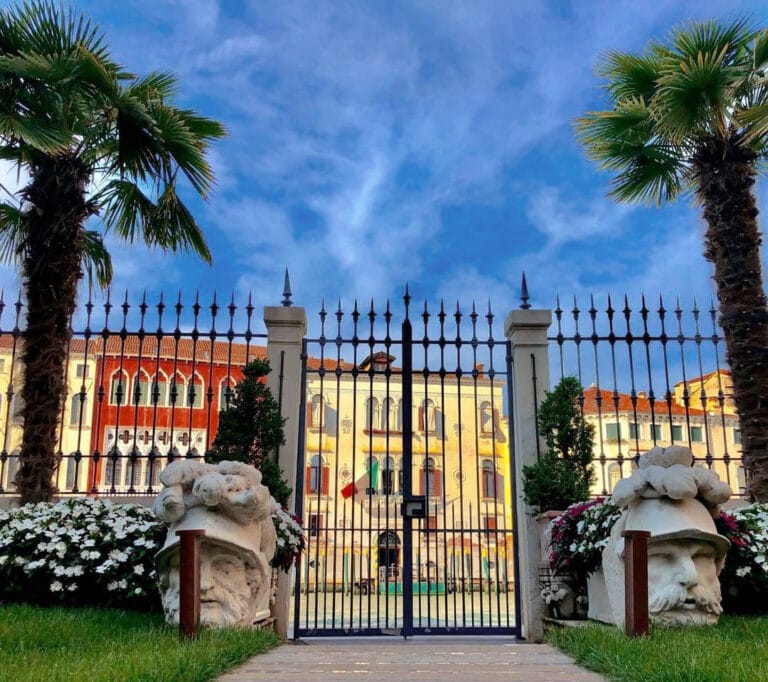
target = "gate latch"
x: 414, y: 507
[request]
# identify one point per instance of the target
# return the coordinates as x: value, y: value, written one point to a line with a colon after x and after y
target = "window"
x: 388, y: 477
x: 427, y: 416
x: 677, y: 432
x: 195, y: 393
x: 226, y: 393
x: 697, y: 434
x: 635, y: 432
x: 152, y: 469
x: 737, y: 436
x: 78, y: 409
x: 2, y: 365
x: 391, y: 416
x: 489, y: 479
x: 118, y: 389
x: 317, y: 476
x: 12, y: 467
x: 159, y: 395
x: 17, y: 406
x: 141, y: 394
x: 430, y: 479
x: 315, y: 524
x: 657, y: 431
x: 612, y: 431
x: 71, y: 472
x: 316, y: 412
x: 486, y: 418
x: 177, y: 391
x: 82, y: 371
x: 372, y: 414
x: 614, y: 476
x: 114, y: 469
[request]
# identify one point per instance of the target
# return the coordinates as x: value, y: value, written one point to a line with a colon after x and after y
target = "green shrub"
x: 563, y: 474
x: 251, y: 429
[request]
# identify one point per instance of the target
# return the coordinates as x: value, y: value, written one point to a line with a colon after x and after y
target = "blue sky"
x: 374, y: 143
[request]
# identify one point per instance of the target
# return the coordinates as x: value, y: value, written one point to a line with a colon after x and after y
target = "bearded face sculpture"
x: 676, y: 503
x: 229, y: 503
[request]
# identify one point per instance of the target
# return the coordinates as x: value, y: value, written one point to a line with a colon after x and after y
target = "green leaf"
x: 630, y: 76
x: 96, y: 259
x: 13, y: 230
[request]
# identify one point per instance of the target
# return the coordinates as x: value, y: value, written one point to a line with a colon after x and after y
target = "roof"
x: 641, y: 404
x: 185, y: 349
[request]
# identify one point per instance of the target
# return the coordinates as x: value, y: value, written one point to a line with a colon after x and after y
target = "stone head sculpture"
x: 234, y: 509
x: 676, y: 503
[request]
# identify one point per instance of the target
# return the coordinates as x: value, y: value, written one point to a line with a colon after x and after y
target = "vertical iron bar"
x: 407, y: 573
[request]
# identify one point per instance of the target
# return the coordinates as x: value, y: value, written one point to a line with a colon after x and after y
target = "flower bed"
x: 744, y: 579
x: 80, y: 552
x: 579, y: 536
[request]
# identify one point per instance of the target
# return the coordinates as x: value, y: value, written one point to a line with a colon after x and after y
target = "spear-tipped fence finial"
x: 287, y: 293
x: 524, y: 297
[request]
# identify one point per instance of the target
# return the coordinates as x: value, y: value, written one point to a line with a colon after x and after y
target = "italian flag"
x: 368, y: 480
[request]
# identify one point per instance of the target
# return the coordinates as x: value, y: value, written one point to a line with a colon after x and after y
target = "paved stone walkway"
x: 423, y: 659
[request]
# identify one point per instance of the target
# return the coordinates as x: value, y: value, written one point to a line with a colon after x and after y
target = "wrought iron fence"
x: 145, y: 383
x: 652, y: 375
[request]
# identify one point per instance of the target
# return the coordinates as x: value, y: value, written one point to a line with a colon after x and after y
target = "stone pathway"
x: 423, y: 659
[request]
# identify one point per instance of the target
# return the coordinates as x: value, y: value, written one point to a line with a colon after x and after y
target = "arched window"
x: 153, y: 467
x: 391, y: 416
x: 372, y: 414
x: 316, y: 412
x: 177, y: 391
x: 614, y: 476
x: 141, y: 394
x: 118, y: 389
x: 11, y: 468
x: 78, y: 410
x: 489, y: 478
x: 427, y: 416
x: 194, y: 393
x: 113, y: 471
x: 72, y: 469
x: 159, y: 393
x: 486, y: 418
x: 317, y: 476
x: 388, y: 477
x: 430, y: 480
x: 226, y: 393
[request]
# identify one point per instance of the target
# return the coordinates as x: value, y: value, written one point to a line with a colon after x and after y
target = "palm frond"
x: 172, y: 226
x: 711, y: 37
x: 693, y: 94
x: 629, y: 123
x: 47, y: 28
x: 43, y: 135
x: 654, y: 174
x: 126, y: 208
x: 755, y: 120
x: 13, y: 232
x: 630, y: 76
x: 96, y: 259
x: 760, y: 51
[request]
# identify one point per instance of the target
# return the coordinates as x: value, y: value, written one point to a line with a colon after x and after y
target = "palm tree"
x: 77, y: 122
x: 691, y: 116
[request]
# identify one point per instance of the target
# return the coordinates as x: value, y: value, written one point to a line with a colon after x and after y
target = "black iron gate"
x: 405, y: 480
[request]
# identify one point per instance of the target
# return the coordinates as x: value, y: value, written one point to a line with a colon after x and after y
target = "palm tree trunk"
x: 51, y: 269
x: 726, y: 175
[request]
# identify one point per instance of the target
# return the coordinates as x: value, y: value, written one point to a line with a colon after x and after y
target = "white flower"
x: 138, y: 569
x: 741, y: 572
x: 56, y: 586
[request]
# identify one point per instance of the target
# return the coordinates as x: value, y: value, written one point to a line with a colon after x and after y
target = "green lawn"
x: 51, y: 644
x: 736, y: 650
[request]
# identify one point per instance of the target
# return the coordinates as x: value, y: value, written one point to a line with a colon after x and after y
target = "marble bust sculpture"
x: 676, y: 503
x: 234, y: 509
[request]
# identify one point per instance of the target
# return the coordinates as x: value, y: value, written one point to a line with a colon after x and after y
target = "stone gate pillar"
x: 527, y: 332
x: 286, y: 327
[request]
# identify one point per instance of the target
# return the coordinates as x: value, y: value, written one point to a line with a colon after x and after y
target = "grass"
x: 51, y: 644
x: 734, y: 650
